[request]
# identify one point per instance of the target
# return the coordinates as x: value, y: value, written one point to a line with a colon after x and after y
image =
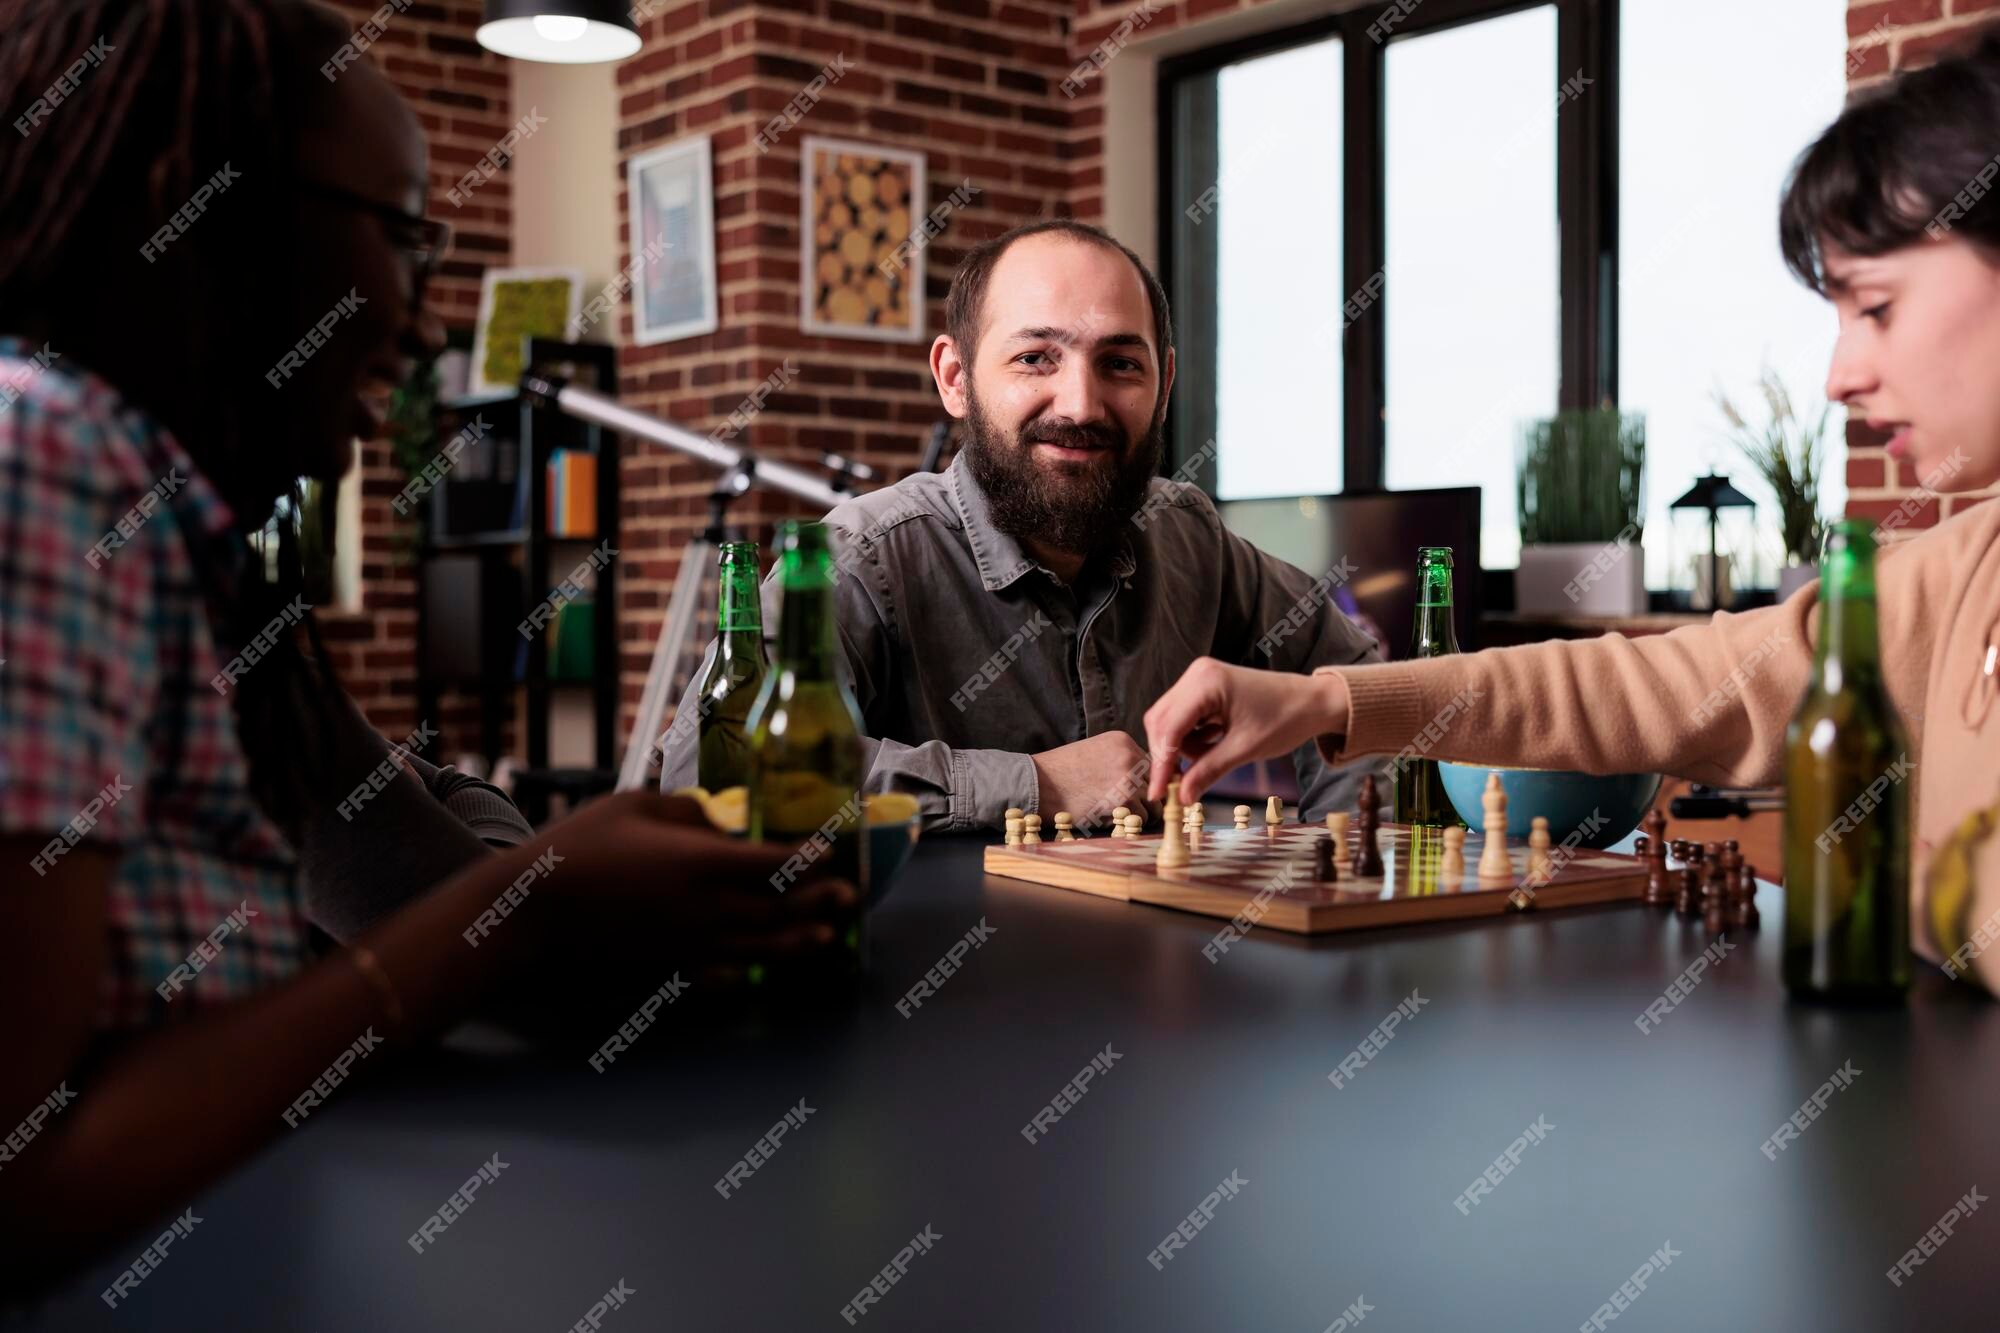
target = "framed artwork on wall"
x: 670, y: 201
x: 860, y: 276
x: 516, y: 304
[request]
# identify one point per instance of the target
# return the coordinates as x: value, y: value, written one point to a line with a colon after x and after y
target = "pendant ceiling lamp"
x: 566, y: 32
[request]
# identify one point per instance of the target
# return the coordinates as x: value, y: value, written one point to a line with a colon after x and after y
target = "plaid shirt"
x: 110, y: 731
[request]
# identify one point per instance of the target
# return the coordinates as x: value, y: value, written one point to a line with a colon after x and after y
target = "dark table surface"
x: 1653, y: 1140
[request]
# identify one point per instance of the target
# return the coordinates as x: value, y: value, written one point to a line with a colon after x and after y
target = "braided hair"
x: 171, y: 91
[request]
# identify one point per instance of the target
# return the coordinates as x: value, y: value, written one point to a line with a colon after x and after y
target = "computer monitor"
x: 1374, y: 539
x: 1378, y: 534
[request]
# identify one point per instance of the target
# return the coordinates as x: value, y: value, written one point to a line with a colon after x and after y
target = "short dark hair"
x: 1885, y: 174
x: 965, y: 305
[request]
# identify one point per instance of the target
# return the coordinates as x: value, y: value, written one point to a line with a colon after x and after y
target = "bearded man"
x: 1007, y: 622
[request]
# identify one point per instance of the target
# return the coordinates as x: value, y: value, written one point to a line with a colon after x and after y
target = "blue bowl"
x: 1608, y: 807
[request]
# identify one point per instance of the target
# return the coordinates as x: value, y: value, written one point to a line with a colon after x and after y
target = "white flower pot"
x: 1582, y: 579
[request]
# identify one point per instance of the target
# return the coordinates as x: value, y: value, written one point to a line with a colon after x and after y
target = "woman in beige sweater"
x: 1887, y: 215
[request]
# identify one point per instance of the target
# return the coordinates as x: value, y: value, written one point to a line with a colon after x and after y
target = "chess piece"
x: 1065, y: 831
x: 1495, y: 867
x: 1743, y: 912
x: 1451, y: 867
x: 1134, y: 825
x: 1174, y: 813
x: 1655, y: 824
x: 1242, y: 814
x: 1540, y: 865
x: 1173, y: 852
x: 1367, y: 852
x: 1014, y: 828
x: 1118, y: 821
x: 1687, y: 897
x: 1325, y: 864
x: 1336, y: 824
x: 1031, y: 829
x: 1274, y: 811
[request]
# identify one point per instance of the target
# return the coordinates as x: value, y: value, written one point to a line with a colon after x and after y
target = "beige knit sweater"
x: 1711, y: 703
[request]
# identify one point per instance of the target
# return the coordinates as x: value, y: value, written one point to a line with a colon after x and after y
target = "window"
x: 1277, y: 385
x: 1705, y: 302
x: 1518, y: 208
x: 1472, y: 321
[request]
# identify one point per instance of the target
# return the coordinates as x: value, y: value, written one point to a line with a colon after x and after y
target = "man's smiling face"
x: 1065, y: 392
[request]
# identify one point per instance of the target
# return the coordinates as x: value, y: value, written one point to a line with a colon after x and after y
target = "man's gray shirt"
x: 967, y: 656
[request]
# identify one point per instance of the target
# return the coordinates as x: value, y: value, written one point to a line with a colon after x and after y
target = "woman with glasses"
x: 1886, y: 216
x: 212, y: 262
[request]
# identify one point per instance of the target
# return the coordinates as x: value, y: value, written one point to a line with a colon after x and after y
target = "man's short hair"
x: 964, y: 306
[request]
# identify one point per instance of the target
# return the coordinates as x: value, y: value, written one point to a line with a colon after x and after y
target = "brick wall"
x: 460, y: 93
x: 1885, y: 36
x: 973, y: 83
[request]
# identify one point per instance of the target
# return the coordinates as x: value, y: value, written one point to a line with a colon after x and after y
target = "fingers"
x: 1195, y: 700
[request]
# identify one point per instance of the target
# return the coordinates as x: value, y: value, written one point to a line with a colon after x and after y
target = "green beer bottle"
x: 805, y: 736
x: 736, y: 675
x: 1418, y: 788
x: 1847, y: 807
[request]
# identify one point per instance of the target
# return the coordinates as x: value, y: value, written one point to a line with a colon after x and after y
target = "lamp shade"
x: 566, y: 32
x: 1713, y: 492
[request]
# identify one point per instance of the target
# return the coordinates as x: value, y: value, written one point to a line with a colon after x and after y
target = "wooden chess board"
x: 1232, y: 868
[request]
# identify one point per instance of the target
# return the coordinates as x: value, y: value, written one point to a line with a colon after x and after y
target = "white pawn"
x: 1540, y: 866
x: 1494, y: 864
x: 1336, y: 824
x: 1013, y: 828
x: 1031, y: 829
x: 1452, y: 866
x: 1134, y: 825
x: 1118, y: 821
x: 1242, y: 813
x: 1065, y: 831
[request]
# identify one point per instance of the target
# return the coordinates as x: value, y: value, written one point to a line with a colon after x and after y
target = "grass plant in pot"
x: 1580, y: 496
x: 1787, y: 451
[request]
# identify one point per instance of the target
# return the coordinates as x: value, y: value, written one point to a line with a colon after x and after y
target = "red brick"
x: 1862, y: 18
x: 1867, y: 473
x: 1922, y: 514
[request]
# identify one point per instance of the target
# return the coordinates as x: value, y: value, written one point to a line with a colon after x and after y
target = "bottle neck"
x: 1434, y: 633
x: 1849, y: 642
x: 805, y: 619
x: 739, y: 624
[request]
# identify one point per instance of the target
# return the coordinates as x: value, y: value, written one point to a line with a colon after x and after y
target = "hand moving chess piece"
x: 1367, y: 852
x: 1495, y: 867
x: 1451, y: 866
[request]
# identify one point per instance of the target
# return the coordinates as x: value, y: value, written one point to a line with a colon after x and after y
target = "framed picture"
x: 670, y: 199
x: 859, y: 274
x: 516, y: 304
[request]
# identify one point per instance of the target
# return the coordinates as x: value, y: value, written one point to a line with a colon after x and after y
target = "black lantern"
x: 1711, y: 495
x: 567, y: 32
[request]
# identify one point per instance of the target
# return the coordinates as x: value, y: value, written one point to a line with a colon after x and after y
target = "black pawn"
x: 1743, y: 913
x: 1687, y: 898
x: 1325, y: 868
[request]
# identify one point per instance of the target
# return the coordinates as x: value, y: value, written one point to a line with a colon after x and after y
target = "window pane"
x: 1278, y: 369
x: 1473, y: 332
x: 1704, y: 300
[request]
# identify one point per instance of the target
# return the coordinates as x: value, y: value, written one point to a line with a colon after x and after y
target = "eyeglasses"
x: 424, y: 240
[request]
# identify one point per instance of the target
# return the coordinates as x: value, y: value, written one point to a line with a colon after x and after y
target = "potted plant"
x: 1787, y: 452
x: 1580, y: 496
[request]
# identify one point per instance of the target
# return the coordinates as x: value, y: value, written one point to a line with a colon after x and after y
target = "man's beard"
x: 1080, y: 510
